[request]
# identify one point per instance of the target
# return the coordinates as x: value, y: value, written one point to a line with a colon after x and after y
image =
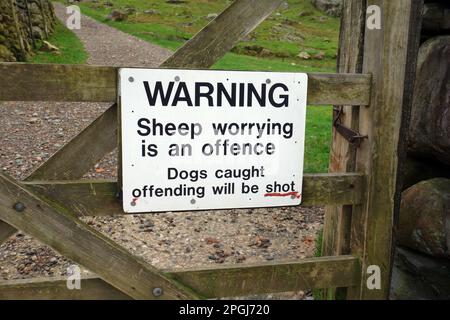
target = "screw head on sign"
x: 157, y: 292
x: 293, y: 197
x: 268, y: 81
x: 193, y: 201
x: 19, y: 206
x: 131, y: 79
x: 177, y: 78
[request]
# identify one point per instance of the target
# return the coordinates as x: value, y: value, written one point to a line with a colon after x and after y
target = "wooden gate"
x: 373, y: 85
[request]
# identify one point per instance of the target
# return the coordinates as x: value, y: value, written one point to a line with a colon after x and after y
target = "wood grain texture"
x: 339, y: 89
x: 225, y: 281
x: 337, y: 221
x: 232, y: 281
x: 62, y: 231
x: 390, y: 54
x: 323, y: 88
x: 55, y: 288
x: 57, y: 82
x: 6, y: 231
x: 221, y: 34
x: 99, y: 198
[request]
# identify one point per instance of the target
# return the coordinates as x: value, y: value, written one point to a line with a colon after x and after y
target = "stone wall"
x: 422, y: 260
x: 22, y: 24
x: 330, y: 7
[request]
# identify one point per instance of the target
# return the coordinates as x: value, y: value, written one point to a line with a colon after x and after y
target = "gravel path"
x: 31, y: 132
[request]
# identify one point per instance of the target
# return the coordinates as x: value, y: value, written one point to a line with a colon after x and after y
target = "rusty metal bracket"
x: 352, y: 136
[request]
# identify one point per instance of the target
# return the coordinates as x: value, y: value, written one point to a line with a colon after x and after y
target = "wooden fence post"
x: 390, y: 54
x: 336, y: 230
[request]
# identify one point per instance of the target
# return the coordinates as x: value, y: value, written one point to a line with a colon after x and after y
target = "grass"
x: 297, y: 28
x: 71, y: 48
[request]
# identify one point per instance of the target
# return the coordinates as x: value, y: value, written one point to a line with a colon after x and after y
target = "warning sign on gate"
x: 195, y: 140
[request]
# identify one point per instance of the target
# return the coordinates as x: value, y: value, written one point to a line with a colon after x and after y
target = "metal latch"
x: 352, y: 136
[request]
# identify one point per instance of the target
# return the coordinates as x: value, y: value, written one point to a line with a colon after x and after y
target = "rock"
x: 48, y: 47
x: 330, y: 7
x: 429, y: 132
x: 304, y: 55
x: 284, y: 6
x: 176, y: 1
x: 151, y: 11
x: 130, y: 10
x: 212, y: 16
x: 38, y: 33
x: 419, y: 277
x: 211, y: 240
x: 117, y: 15
x: 319, y: 56
x: 6, y: 55
x: 265, y: 53
x: 424, y: 223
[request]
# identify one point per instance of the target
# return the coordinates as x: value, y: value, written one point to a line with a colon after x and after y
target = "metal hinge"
x: 352, y: 136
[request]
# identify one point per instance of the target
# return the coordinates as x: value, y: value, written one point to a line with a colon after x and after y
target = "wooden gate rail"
x: 210, y: 282
x: 79, y: 83
x: 99, y: 198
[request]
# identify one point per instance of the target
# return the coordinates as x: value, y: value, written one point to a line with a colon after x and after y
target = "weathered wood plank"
x: 211, y: 282
x: 231, y: 281
x: 57, y: 82
x: 62, y: 231
x: 348, y: 89
x: 390, y: 54
x: 220, y: 35
x: 6, y: 231
x: 337, y: 221
x: 55, y: 288
x: 98, y: 198
x: 67, y: 163
x: 339, y: 89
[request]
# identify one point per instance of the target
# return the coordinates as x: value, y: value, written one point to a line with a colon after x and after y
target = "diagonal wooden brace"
x: 62, y: 231
x: 6, y: 231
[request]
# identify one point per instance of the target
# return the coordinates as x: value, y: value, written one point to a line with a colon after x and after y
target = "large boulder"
x: 424, y: 223
x: 429, y: 133
x: 117, y: 15
x: 330, y: 7
x: 416, y: 276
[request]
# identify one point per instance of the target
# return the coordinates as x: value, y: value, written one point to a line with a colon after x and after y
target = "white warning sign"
x: 194, y: 140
